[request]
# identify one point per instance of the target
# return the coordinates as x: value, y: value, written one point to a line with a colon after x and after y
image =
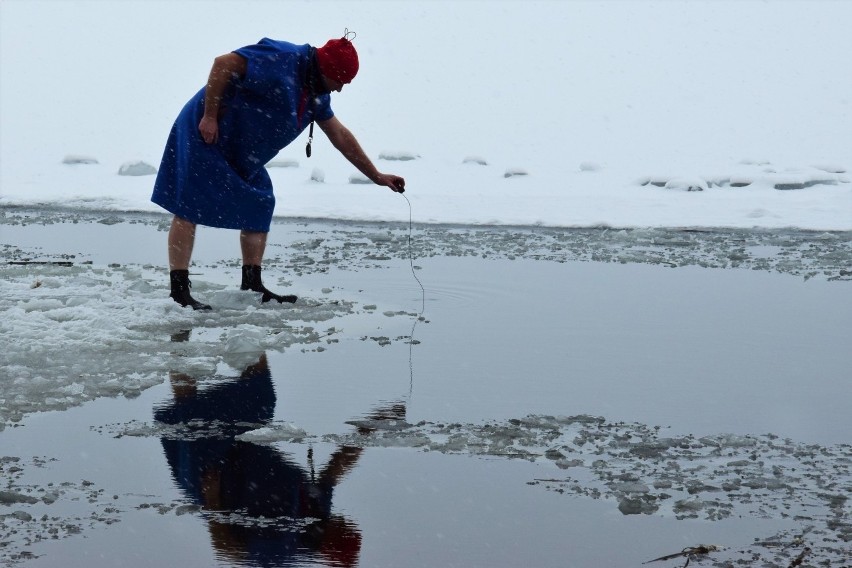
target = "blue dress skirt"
x: 226, y: 184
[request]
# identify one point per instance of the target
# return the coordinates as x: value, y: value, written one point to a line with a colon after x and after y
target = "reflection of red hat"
x: 338, y: 60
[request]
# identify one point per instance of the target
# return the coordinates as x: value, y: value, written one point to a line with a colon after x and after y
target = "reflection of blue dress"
x: 253, y: 479
x: 225, y: 184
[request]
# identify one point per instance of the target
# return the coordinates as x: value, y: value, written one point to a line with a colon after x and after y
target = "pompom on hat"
x: 338, y: 59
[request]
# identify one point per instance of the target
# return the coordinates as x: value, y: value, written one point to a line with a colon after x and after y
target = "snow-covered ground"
x: 613, y: 110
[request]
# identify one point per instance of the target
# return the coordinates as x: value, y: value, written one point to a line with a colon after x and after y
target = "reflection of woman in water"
x: 226, y: 475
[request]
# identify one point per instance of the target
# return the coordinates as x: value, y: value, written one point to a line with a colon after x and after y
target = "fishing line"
x: 422, y: 301
x: 411, y: 260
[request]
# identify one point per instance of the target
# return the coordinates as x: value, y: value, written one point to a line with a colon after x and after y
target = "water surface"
x: 560, y: 398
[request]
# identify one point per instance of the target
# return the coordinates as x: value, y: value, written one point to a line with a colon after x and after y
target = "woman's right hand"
x: 209, y: 129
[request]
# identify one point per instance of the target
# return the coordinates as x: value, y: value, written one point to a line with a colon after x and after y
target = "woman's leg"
x: 181, y: 242
x: 253, y: 245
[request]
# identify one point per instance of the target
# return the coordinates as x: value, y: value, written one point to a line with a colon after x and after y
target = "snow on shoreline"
x: 746, y: 194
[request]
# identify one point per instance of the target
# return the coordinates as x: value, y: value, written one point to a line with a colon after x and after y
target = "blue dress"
x: 226, y: 184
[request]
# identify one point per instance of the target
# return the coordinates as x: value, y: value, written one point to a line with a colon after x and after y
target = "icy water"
x: 560, y: 398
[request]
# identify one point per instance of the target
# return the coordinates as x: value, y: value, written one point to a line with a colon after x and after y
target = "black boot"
x: 253, y: 282
x: 180, y: 290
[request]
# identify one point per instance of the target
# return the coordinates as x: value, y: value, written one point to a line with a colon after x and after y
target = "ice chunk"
x: 831, y: 168
x: 43, y: 305
x: 245, y: 339
x: 13, y: 497
x: 565, y: 464
x: 359, y: 179
x: 655, y: 180
x: 637, y: 505
x: 688, y: 505
x: 801, y: 181
x: 515, y: 172
x: 741, y: 181
x: 478, y: 160
x: 631, y: 487
x: 136, y: 169
x: 78, y: 159
x: 198, y: 366
x: 398, y: 156
x: 235, y: 299
x: 728, y: 441
x: 73, y: 389
x: 380, y: 424
x: 686, y: 184
x: 278, y: 433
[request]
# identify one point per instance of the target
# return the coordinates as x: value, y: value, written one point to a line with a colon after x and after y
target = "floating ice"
x: 244, y: 339
x: 86, y: 325
x: 712, y: 477
x: 729, y: 441
x: 12, y: 497
x: 387, y: 425
x: 278, y: 433
x: 235, y: 299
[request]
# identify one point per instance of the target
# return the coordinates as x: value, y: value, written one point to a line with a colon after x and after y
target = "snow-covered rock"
x: 79, y: 159
x: 359, y: 179
x: 514, y: 172
x: 831, y: 168
x: 687, y: 184
x: 478, y: 160
x: 398, y: 156
x: 138, y: 168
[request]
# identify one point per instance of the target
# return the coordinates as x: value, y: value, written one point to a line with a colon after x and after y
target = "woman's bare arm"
x: 343, y: 139
x: 225, y: 67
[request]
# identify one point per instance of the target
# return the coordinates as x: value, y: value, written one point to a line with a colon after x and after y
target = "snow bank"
x: 557, y: 195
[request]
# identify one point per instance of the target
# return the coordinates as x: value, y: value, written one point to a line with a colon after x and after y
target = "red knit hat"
x: 338, y: 60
